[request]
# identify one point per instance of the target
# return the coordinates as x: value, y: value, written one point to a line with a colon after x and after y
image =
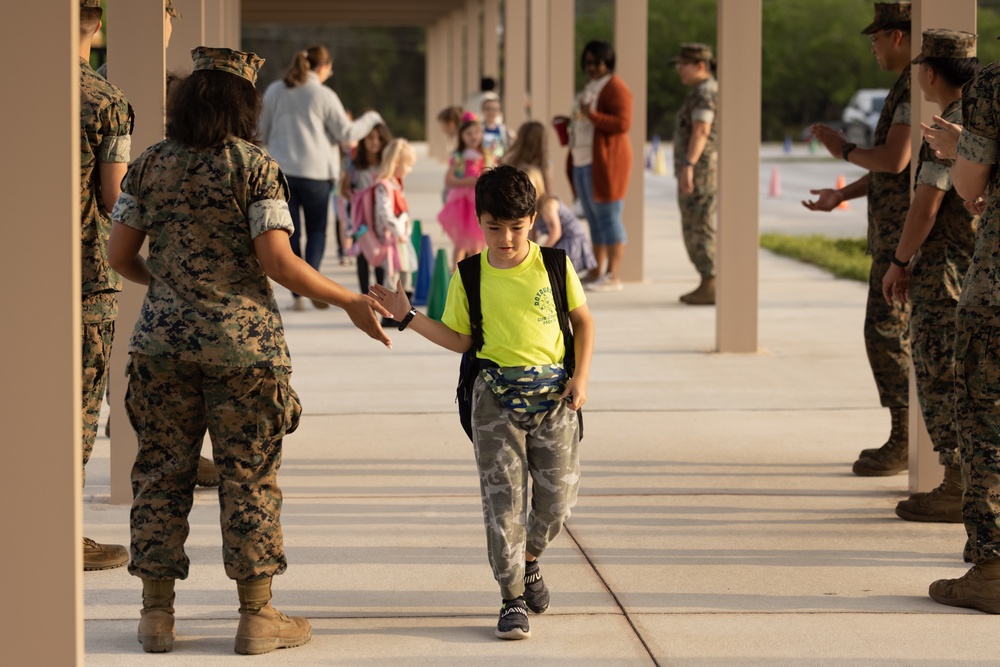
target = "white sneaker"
x: 604, y: 284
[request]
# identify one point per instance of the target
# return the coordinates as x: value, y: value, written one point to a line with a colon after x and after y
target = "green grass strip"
x: 844, y: 258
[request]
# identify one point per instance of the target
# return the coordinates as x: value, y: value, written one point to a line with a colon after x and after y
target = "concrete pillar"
x: 739, y: 145
x: 42, y: 433
x: 437, y: 96
x: 925, y: 472
x: 234, y: 37
x: 137, y: 65
x: 215, y: 23
x: 457, y: 60
x: 631, y: 21
x: 188, y: 32
x: 538, y: 61
x: 473, y: 71
x: 491, y: 39
x: 515, y: 62
x: 558, y: 94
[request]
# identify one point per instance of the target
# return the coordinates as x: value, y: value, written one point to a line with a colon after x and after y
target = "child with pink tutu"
x: 458, y: 216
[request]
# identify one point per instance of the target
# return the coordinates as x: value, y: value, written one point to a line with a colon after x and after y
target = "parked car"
x: 862, y: 113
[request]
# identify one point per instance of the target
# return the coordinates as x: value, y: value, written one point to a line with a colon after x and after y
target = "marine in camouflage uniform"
x: 977, y: 358
x: 698, y: 207
x: 936, y: 283
x: 208, y: 351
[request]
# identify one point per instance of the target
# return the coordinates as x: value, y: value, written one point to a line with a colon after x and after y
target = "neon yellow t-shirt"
x: 520, y: 323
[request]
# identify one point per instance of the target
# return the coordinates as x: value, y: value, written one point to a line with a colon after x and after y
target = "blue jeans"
x: 603, y: 218
x: 313, y: 198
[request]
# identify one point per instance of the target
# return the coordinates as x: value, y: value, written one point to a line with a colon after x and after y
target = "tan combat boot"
x: 156, y: 625
x: 703, y: 295
x: 978, y: 589
x: 942, y: 505
x: 208, y: 475
x: 102, y: 556
x: 262, y: 627
x: 892, y: 457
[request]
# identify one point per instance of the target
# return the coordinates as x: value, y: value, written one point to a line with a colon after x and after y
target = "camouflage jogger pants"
x: 98, y: 332
x: 977, y: 388
x: 932, y: 337
x: 887, y: 340
x: 698, y: 228
x: 511, y: 446
x: 247, y: 411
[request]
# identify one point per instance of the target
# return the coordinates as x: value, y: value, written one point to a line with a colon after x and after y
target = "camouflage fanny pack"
x: 527, y: 389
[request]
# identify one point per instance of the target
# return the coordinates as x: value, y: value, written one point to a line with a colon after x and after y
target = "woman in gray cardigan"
x: 302, y: 125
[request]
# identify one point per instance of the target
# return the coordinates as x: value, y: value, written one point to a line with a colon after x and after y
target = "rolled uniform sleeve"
x: 902, y: 114
x: 127, y: 209
x: 268, y: 200
x: 116, y: 144
x: 705, y: 105
x: 978, y: 140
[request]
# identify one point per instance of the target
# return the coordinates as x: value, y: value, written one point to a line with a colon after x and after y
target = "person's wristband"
x: 846, y: 149
x: 688, y: 163
x: 409, y: 317
x: 898, y: 262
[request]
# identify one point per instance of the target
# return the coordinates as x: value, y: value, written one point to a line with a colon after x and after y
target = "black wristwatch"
x: 846, y: 149
x: 406, y: 320
x: 898, y: 262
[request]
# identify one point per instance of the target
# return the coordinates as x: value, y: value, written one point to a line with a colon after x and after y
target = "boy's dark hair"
x: 89, y: 18
x: 362, y: 160
x: 506, y: 193
x: 209, y: 106
x: 602, y: 52
x: 955, y: 71
x: 487, y: 84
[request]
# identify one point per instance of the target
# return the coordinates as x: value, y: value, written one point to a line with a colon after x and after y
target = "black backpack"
x: 469, y: 268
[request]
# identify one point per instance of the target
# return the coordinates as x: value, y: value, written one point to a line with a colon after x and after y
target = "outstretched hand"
x: 833, y: 140
x: 396, y: 302
x: 827, y: 199
x: 364, y: 312
x: 944, y: 141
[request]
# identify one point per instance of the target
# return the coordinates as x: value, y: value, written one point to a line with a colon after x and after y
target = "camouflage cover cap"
x: 693, y: 51
x: 241, y: 64
x: 170, y: 9
x: 946, y: 44
x: 888, y: 14
x: 92, y: 4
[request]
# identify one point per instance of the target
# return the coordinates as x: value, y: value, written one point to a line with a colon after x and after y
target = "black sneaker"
x: 536, y: 595
x: 513, y: 623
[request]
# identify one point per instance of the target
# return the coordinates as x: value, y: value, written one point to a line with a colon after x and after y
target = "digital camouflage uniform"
x: 208, y: 351
x: 887, y: 326
x: 977, y: 344
x: 698, y: 208
x: 106, y: 122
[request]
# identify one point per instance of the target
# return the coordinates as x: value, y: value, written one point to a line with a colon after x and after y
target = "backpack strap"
x: 470, y: 269
x: 555, y: 266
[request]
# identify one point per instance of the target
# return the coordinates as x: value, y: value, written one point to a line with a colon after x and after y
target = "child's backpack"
x: 469, y: 269
x: 363, y: 226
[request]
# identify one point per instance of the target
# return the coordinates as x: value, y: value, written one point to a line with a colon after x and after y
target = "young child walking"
x: 362, y: 172
x: 208, y: 349
x: 516, y: 437
x: 391, y: 213
x: 458, y: 216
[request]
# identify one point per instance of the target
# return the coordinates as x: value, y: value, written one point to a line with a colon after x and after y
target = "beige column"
x: 491, y: 39
x: 739, y: 151
x: 472, y: 48
x: 924, y: 471
x: 215, y: 23
x: 42, y: 433
x: 558, y: 93
x: 515, y: 62
x: 437, y: 98
x: 538, y: 60
x: 631, y: 20
x: 233, y: 26
x: 137, y: 65
x: 188, y: 32
x: 457, y: 61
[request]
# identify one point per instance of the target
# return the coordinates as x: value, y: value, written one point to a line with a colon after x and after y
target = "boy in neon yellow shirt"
x: 527, y: 434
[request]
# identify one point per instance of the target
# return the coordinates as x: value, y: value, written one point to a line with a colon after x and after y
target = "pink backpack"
x: 363, y: 226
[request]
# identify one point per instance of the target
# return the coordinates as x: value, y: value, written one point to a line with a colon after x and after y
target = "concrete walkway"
x: 718, y: 522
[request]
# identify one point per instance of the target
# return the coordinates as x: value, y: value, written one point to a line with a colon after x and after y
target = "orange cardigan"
x: 612, y: 152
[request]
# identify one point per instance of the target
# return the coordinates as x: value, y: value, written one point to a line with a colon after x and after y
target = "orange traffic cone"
x: 775, y: 190
x: 841, y: 182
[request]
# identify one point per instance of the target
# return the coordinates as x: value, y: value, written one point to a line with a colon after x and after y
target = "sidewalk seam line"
x: 614, y: 597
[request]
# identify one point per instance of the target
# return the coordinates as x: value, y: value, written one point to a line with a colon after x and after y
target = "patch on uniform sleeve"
x: 115, y: 149
x: 975, y: 148
x: 902, y: 114
x: 934, y: 174
x: 126, y: 211
x: 268, y: 214
x: 703, y: 115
